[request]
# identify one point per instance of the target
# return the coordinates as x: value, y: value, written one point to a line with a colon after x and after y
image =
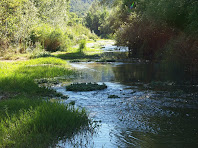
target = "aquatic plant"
x: 72, y: 103
x: 113, y: 96
x: 85, y: 87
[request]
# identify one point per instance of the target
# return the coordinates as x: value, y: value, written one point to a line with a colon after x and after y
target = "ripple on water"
x: 128, y: 111
x: 135, y: 119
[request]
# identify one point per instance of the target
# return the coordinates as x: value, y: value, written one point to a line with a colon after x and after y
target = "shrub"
x: 143, y: 42
x: 38, y: 52
x: 82, y: 46
x: 52, y: 39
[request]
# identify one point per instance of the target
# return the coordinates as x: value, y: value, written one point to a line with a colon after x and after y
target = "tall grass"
x: 26, y: 120
x: 37, y: 123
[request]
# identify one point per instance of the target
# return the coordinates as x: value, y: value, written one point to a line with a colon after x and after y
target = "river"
x: 144, y: 114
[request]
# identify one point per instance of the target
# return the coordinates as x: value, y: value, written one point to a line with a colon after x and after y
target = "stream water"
x: 138, y: 117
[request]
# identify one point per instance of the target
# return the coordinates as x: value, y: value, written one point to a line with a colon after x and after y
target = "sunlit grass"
x: 19, y: 76
x: 26, y: 120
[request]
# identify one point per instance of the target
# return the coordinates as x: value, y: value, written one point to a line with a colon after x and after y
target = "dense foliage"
x: 80, y: 7
x: 99, y: 19
x: 157, y: 29
x: 49, y: 22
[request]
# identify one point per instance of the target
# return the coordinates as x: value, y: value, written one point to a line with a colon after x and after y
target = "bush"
x: 52, y: 39
x: 38, y: 52
x: 82, y: 46
x: 143, y: 42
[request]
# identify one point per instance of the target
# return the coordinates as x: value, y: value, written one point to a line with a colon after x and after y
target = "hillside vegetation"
x: 27, y: 25
x: 80, y: 7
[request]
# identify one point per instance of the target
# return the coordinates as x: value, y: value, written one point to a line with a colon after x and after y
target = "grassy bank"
x: 26, y: 120
x: 18, y: 77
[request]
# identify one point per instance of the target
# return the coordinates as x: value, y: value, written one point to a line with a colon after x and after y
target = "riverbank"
x: 29, y: 116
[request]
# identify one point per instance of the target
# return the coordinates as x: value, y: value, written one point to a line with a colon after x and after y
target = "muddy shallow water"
x: 138, y: 117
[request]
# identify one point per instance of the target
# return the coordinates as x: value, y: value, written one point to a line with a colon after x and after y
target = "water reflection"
x: 149, y: 72
x: 130, y: 72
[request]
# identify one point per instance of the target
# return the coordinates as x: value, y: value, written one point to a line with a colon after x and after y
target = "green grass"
x: 81, y: 52
x: 36, y: 123
x: 85, y: 87
x: 26, y: 120
x: 19, y: 76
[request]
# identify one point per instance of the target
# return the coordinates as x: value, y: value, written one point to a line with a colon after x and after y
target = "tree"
x: 96, y: 19
x: 17, y: 18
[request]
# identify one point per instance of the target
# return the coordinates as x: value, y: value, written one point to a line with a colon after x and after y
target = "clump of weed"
x: 113, y: 96
x: 85, y: 87
x: 72, y: 103
x: 60, y: 95
x: 47, y: 81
